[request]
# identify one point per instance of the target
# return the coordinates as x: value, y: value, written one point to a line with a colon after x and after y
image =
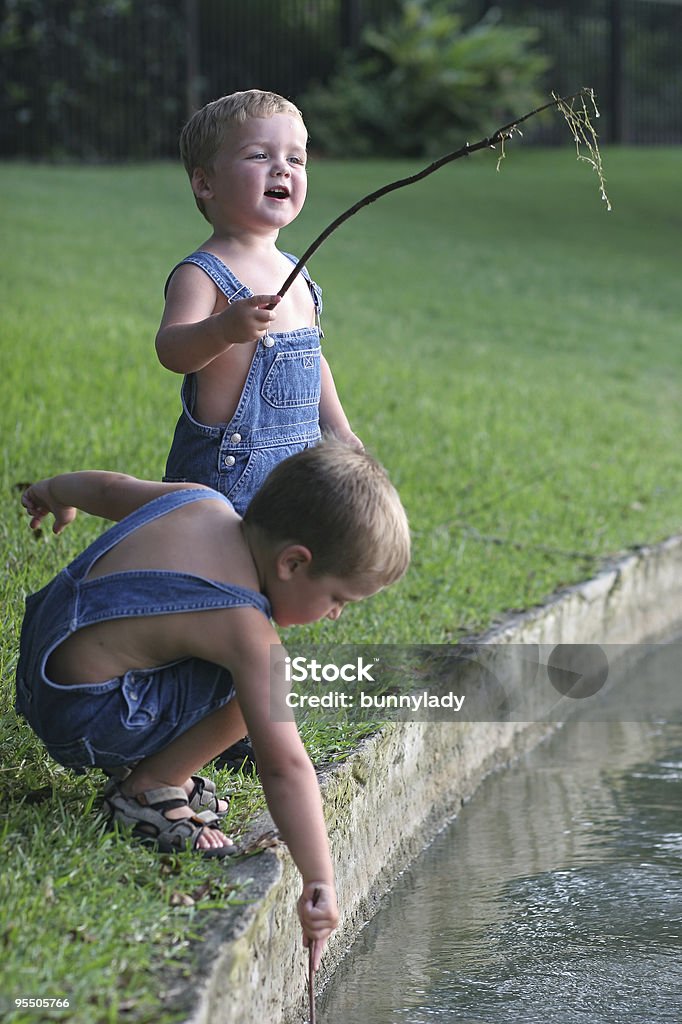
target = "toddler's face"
x: 259, y: 180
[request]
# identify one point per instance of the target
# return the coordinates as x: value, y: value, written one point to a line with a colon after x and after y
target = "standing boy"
x: 256, y: 388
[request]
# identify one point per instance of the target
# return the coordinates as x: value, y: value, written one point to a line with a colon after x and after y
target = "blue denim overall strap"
x: 132, y: 716
x: 231, y: 287
x: 130, y: 594
x: 277, y: 413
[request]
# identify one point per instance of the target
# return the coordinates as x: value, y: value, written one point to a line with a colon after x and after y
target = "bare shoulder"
x: 241, y: 639
x: 191, y: 293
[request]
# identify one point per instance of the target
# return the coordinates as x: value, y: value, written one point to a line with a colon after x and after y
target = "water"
x: 554, y: 897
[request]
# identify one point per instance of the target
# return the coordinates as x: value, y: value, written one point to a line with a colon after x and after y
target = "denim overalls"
x: 133, y: 716
x: 278, y: 410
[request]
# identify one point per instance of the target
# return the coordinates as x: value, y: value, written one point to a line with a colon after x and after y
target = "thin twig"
x: 311, y: 981
x: 311, y: 965
x: 564, y: 103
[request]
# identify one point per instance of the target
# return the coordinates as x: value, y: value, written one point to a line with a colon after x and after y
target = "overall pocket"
x: 293, y: 380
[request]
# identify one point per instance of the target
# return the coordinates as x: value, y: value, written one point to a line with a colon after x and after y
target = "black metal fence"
x: 628, y: 51
x: 115, y: 79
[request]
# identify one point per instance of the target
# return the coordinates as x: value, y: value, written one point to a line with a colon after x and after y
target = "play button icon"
x: 577, y: 670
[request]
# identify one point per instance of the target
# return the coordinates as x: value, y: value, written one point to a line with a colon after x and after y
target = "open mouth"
x: 278, y: 192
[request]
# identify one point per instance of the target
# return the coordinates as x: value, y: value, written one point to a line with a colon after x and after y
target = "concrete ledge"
x: 390, y: 798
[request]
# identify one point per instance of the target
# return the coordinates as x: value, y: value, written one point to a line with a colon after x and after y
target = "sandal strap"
x: 204, y: 796
x: 165, y: 798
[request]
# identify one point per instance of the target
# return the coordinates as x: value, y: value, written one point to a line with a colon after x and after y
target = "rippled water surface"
x: 554, y: 897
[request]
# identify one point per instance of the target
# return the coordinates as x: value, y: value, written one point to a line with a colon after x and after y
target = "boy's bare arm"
x: 100, y: 493
x: 332, y: 416
x: 192, y: 334
x: 286, y: 772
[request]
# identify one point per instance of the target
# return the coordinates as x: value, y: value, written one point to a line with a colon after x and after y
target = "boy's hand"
x: 38, y: 501
x: 318, y: 919
x: 250, y: 319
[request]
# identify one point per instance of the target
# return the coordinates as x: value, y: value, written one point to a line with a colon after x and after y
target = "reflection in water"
x: 555, y: 897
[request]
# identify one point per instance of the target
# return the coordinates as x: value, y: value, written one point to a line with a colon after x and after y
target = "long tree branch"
x: 490, y: 143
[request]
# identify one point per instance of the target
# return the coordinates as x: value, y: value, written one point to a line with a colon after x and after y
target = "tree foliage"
x: 425, y: 83
x: 90, y: 78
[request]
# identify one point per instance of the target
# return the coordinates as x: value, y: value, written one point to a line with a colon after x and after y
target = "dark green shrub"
x: 425, y: 83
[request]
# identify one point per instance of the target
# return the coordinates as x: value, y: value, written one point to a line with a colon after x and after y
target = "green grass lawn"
x: 507, y: 348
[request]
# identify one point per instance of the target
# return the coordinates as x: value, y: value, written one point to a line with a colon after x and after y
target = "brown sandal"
x: 144, y: 814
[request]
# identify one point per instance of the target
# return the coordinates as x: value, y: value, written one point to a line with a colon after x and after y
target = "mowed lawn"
x: 507, y: 348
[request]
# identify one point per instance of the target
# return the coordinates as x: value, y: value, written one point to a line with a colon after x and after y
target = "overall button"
x: 229, y: 460
x: 268, y: 341
x: 236, y: 438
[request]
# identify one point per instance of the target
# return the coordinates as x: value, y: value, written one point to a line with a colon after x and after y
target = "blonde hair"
x: 340, y: 504
x: 202, y: 136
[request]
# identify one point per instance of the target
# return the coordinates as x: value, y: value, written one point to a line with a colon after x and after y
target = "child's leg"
x: 182, y: 758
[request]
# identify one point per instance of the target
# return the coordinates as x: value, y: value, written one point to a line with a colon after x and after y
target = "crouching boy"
x: 151, y: 651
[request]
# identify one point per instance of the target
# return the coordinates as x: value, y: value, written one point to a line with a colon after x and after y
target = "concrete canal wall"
x: 390, y: 798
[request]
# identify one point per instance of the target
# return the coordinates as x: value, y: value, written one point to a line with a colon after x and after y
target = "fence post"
x: 350, y: 23
x: 193, y: 57
x: 616, y: 71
